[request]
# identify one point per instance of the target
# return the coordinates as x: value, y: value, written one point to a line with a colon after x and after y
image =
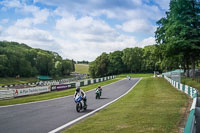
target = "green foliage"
x: 133, y: 59
x: 179, y: 32
x: 13, y: 80
x: 115, y: 63
x: 190, y: 82
x: 99, y: 67
x: 137, y: 60
x: 20, y: 59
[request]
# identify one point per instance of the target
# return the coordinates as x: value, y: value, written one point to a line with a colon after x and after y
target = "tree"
x: 116, y: 64
x: 133, y: 59
x: 20, y: 59
x: 99, y: 67
x: 180, y: 31
x: 3, y: 65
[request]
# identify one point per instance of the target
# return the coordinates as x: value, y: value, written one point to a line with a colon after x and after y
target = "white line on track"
x: 88, y: 114
x: 53, y: 98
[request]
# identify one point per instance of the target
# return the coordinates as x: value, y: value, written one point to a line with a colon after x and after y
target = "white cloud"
x: 123, y: 10
x: 34, y: 37
x: 79, y: 32
x: 137, y: 2
x: 29, y: 34
x: 164, y: 4
x: 4, y: 21
x: 39, y: 16
x: 137, y: 25
x: 10, y: 3
x: 88, y: 38
x: 147, y: 41
x: 85, y: 28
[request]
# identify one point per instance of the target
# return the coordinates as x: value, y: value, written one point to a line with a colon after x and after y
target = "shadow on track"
x: 87, y: 111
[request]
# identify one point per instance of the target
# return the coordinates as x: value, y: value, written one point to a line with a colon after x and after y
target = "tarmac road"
x: 43, y: 117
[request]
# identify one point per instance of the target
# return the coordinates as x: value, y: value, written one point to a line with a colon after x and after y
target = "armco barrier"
x: 191, y: 123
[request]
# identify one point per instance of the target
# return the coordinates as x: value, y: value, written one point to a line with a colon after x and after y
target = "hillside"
x: 23, y: 61
x: 82, y: 68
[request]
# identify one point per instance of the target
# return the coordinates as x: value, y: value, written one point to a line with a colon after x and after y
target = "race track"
x: 43, y: 117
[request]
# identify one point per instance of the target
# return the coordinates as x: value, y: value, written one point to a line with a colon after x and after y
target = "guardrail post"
x: 197, y: 117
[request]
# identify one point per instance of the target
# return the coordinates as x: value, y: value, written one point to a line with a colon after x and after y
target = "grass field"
x: 54, y: 94
x: 190, y: 82
x: 153, y: 106
x: 9, y: 80
x: 82, y: 68
x: 133, y: 75
x: 13, y: 80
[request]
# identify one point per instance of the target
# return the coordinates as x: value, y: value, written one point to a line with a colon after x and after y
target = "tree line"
x: 129, y: 60
x: 177, y: 45
x: 20, y: 59
x: 83, y: 62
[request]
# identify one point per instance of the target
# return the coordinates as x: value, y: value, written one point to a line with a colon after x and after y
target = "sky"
x: 81, y: 29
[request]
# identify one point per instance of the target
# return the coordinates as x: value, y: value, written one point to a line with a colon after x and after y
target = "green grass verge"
x: 12, y: 80
x: 153, y: 106
x: 190, y: 82
x: 82, y: 68
x: 63, y: 77
x: 53, y: 94
x: 133, y: 75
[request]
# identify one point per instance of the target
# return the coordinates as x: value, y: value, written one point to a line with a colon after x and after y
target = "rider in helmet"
x: 82, y: 93
x: 99, y: 88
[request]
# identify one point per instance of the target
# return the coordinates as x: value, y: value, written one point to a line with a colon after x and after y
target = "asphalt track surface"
x: 43, y: 117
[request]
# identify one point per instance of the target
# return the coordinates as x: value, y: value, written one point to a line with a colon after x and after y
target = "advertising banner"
x: 30, y: 91
x: 63, y: 86
x: 4, y: 94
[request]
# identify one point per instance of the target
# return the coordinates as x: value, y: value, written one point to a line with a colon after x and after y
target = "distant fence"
x: 12, y: 93
x: 193, y: 124
x: 46, y: 83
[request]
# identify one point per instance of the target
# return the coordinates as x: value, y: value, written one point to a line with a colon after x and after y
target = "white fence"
x: 193, y: 93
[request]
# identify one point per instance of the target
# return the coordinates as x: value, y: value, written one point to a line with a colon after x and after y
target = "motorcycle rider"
x: 82, y: 94
x: 99, y: 88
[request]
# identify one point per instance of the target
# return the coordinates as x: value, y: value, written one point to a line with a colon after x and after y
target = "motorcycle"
x: 98, y: 94
x: 80, y: 103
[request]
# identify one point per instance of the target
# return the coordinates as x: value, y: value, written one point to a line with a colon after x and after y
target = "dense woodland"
x: 178, y: 45
x: 21, y: 60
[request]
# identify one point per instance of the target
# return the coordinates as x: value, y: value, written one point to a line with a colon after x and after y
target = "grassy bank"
x: 82, y: 68
x: 190, y: 82
x: 133, y: 75
x: 54, y: 94
x: 13, y: 80
x: 153, y: 106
